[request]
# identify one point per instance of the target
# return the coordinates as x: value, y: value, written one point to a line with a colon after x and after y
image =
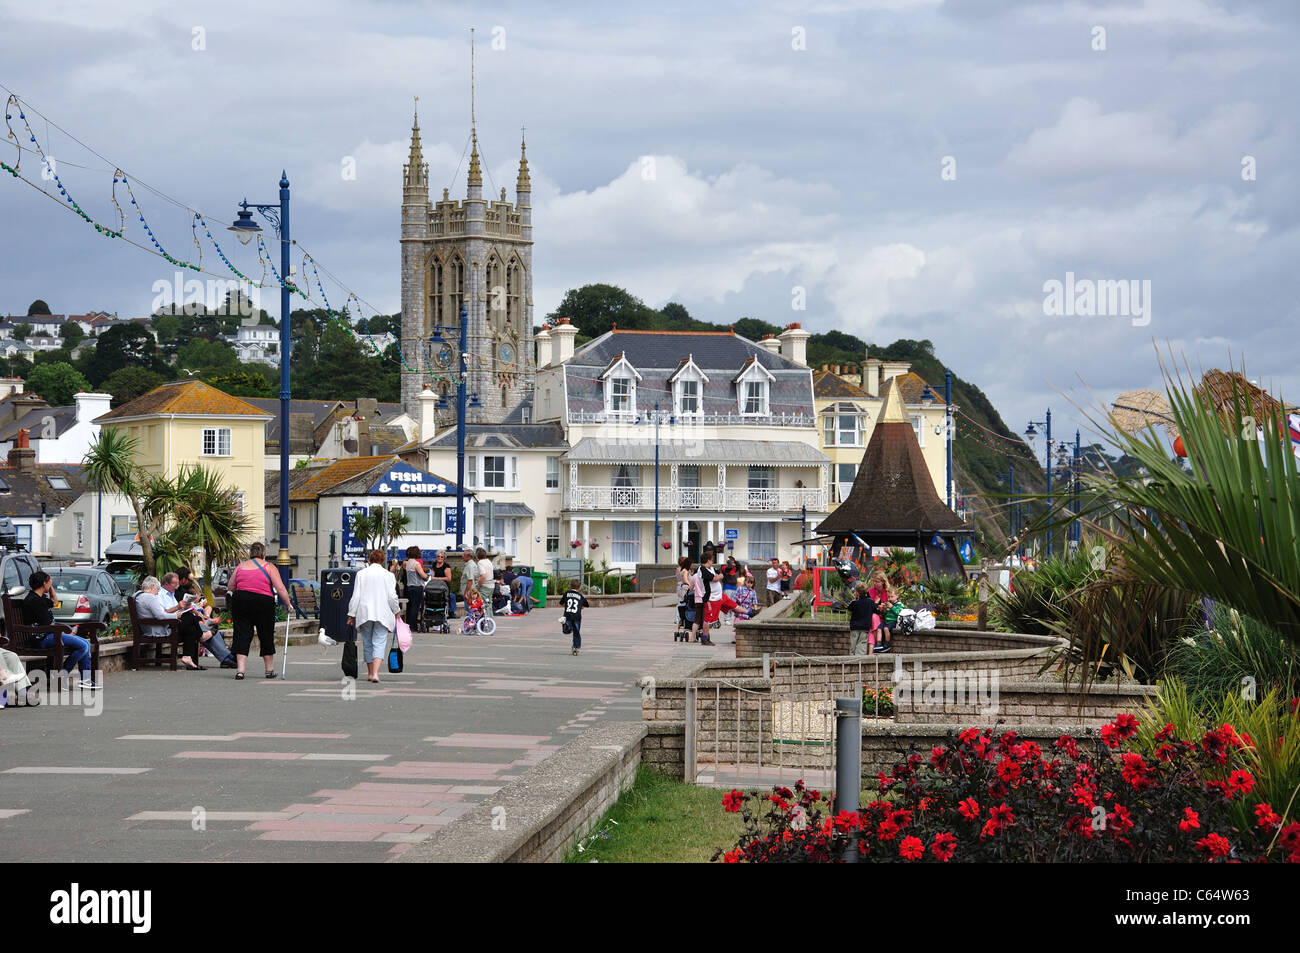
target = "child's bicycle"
x: 477, y: 621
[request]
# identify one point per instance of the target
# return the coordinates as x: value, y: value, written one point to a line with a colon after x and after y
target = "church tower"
x: 476, y: 253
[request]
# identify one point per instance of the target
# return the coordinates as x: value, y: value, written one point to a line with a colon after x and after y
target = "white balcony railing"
x: 730, y: 500
x: 692, y: 420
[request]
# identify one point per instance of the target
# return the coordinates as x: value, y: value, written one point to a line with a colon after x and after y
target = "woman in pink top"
x: 883, y: 596
x: 251, y: 596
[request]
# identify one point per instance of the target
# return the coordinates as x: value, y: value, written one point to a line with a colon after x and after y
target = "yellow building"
x: 849, y: 404
x: 189, y: 422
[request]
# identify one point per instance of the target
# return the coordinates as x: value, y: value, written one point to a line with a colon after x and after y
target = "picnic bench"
x: 25, y: 640
x: 140, y: 641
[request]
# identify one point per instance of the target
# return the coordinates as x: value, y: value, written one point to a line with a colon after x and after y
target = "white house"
x: 59, y: 434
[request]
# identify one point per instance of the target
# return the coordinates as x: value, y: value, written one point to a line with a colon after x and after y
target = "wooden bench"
x: 140, y: 641
x: 25, y: 640
x: 304, y: 600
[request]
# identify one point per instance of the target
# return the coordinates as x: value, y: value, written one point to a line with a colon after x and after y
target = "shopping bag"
x: 402, y: 632
x: 350, y: 659
x: 394, y: 657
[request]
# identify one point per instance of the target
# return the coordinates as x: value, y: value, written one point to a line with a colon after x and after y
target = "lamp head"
x: 244, y: 227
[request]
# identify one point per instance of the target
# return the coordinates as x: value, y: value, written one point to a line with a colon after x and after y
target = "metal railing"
x: 694, y: 420
x: 673, y: 499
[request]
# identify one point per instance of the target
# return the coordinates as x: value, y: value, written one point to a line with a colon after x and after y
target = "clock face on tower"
x: 507, y: 353
x: 443, y: 356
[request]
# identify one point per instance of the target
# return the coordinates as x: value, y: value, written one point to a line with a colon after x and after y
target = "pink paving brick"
x: 419, y: 788
x: 241, y: 755
x: 490, y: 741
x: 375, y: 798
x: 290, y: 734
x: 557, y: 691
x: 424, y: 819
x: 350, y: 810
x: 324, y: 836
x: 331, y: 826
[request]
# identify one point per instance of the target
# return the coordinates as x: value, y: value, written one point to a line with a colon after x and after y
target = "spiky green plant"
x: 1232, y: 653
x: 110, y: 466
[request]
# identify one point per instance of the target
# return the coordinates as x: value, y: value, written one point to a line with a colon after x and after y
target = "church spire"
x: 416, y: 172
x: 475, y: 171
x: 523, y: 183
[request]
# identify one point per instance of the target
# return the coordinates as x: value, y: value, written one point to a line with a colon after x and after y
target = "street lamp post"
x: 1030, y: 434
x: 463, y: 402
x: 245, y: 229
x: 947, y: 409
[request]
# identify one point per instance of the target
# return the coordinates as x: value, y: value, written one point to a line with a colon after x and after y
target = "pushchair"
x: 435, y: 605
x: 680, y: 633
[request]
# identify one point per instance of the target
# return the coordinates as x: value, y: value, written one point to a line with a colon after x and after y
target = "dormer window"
x: 688, y: 388
x: 620, y: 380
x: 753, y: 387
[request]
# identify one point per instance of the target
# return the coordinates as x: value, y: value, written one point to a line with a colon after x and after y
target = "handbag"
x: 394, y: 656
x: 402, y: 633
x: 565, y: 627
x: 350, y: 657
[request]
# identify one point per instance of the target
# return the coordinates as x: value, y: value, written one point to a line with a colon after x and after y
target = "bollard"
x: 848, y: 763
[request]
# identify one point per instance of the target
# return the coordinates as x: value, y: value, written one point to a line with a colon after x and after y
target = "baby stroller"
x: 683, y: 634
x: 435, y: 605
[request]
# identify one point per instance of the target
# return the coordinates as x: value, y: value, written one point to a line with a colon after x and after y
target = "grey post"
x: 848, y: 762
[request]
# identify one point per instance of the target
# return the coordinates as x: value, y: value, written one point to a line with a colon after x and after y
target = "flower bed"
x: 982, y: 798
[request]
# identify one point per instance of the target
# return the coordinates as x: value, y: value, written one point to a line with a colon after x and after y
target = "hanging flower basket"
x: 594, y: 544
x: 576, y: 544
x: 667, y: 545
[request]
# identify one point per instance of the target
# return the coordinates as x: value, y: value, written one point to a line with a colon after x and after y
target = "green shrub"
x: 1041, y: 600
x: 1234, y: 652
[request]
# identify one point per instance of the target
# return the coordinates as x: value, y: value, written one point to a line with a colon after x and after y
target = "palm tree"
x: 110, y: 466
x: 1226, y: 528
x: 372, y: 527
x: 200, y: 512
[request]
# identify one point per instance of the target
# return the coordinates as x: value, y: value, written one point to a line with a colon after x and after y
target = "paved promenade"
x: 195, y: 766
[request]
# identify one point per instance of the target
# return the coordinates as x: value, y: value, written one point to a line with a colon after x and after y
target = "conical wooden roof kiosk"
x: 893, y: 502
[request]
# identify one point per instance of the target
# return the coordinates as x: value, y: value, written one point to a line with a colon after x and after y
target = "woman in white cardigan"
x: 373, y: 610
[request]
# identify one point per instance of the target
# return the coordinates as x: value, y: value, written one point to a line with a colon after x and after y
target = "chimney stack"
x: 90, y: 406
x: 23, y: 458
x: 543, y: 340
x: 769, y: 343
x: 428, y: 413
x: 794, y: 344
x: 563, y: 334
x: 871, y: 376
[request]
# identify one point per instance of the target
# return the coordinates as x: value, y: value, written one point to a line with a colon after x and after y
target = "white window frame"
x: 918, y: 425
x: 493, y: 473
x: 552, y: 534
x: 754, y: 374
x: 619, y: 549
x: 471, y: 473
x: 621, y: 373
x: 843, y: 488
x: 237, y: 498
x: 689, y: 373
x: 760, y: 549
x: 552, y: 474
x: 217, y: 433
x: 80, y: 520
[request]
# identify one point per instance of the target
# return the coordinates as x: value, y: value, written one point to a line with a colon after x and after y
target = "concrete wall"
x: 542, y: 815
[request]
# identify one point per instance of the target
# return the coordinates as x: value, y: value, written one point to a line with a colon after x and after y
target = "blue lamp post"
x: 1030, y: 434
x: 245, y: 230
x: 463, y: 402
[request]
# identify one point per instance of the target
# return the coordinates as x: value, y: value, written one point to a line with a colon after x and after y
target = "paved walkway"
x: 195, y: 766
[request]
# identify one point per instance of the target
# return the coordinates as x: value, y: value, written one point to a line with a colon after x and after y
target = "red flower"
x: 780, y: 802
x: 888, y: 830
x: 732, y: 801
x: 1241, y: 782
x: 733, y: 856
x: 1266, y: 817
x: 1110, y: 735
x: 1002, y: 814
x: 969, y: 808
x: 1166, y: 752
x: 846, y: 821
x: 968, y: 736
x: 911, y: 848
x: 901, y: 818
x: 1290, y: 836
x: 936, y: 755
x: 990, y: 828
x: 1126, y: 725
x: 1009, y: 771
x: 1214, y: 845
x: 1165, y: 733
x: 943, y: 847
x: 1120, y: 821
x: 1134, y: 770
x: 1067, y: 744
x: 1191, y: 820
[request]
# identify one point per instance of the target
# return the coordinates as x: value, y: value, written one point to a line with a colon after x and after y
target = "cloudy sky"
x: 920, y: 168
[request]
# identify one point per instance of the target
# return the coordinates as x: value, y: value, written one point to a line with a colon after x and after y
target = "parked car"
x: 220, y: 577
x: 16, y: 567
x: 85, y: 594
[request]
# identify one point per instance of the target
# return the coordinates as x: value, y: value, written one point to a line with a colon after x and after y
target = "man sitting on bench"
x: 38, y: 610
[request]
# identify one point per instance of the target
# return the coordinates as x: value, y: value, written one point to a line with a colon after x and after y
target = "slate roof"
x: 26, y: 490
x: 33, y: 421
x: 657, y: 354
x: 758, y: 452
x: 185, y: 397
x: 510, y: 436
